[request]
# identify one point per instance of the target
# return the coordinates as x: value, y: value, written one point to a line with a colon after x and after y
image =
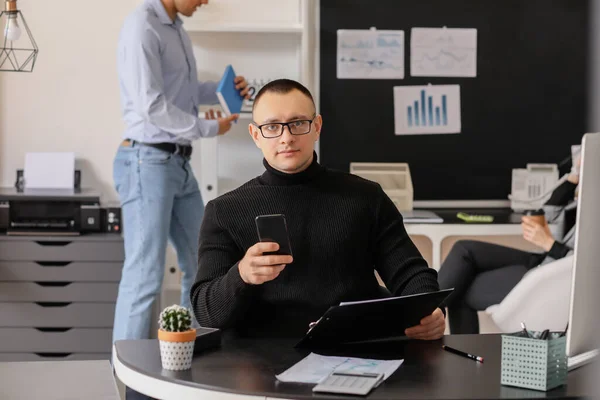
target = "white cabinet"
x: 208, y: 178
x: 57, y: 296
x: 262, y: 40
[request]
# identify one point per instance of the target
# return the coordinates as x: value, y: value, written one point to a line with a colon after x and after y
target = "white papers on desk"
x: 49, y: 171
x: 421, y: 217
x: 314, y: 368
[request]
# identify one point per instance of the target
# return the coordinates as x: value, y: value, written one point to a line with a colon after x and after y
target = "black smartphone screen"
x: 273, y: 228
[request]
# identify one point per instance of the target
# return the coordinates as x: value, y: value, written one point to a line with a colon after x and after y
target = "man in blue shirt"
x: 159, y: 195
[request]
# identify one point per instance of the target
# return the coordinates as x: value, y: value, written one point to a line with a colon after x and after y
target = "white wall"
x: 71, y: 101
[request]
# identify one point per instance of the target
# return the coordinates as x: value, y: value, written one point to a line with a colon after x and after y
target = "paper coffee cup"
x: 537, y: 215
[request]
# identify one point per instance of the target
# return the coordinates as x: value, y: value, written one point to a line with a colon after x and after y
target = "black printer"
x: 50, y: 211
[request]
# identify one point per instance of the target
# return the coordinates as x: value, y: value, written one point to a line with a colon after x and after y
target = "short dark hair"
x: 282, y: 86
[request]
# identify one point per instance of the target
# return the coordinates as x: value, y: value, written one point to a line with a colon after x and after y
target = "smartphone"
x: 273, y: 228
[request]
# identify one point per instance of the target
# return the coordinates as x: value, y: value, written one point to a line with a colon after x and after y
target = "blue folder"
x: 229, y: 97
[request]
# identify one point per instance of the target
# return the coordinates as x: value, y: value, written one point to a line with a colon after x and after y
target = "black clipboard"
x: 372, y: 319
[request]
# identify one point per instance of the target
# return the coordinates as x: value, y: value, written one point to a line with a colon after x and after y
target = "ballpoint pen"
x: 525, y: 329
x: 462, y: 353
x: 565, y: 331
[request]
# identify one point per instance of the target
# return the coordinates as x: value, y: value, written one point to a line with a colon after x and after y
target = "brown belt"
x: 174, y: 148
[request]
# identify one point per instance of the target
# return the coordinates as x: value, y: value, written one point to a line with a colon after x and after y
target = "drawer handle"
x: 50, y: 243
x: 53, y: 355
x: 52, y: 263
x: 53, y: 284
x: 52, y: 304
x: 53, y: 329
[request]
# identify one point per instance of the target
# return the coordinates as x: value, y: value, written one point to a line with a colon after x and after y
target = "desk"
x: 246, y: 369
x: 435, y: 240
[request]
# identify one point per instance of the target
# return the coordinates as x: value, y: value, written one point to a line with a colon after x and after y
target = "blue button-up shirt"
x: 160, y: 92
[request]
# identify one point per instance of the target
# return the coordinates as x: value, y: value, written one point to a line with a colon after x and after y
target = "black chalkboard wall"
x: 528, y: 102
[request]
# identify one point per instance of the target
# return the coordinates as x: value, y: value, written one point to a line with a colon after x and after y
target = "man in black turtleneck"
x: 341, y: 228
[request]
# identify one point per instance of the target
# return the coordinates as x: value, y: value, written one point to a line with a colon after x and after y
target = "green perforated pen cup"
x: 532, y: 363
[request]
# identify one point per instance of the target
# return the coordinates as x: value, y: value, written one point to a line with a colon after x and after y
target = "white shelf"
x: 264, y: 28
x: 249, y: 35
x: 246, y: 115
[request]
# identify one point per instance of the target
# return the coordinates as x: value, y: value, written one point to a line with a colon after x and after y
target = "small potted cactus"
x: 176, y: 338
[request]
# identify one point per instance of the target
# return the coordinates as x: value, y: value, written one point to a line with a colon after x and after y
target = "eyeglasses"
x: 273, y: 130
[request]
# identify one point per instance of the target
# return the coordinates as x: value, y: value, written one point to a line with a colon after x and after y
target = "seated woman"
x: 482, y: 274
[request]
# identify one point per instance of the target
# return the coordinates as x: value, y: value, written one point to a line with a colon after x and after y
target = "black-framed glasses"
x: 298, y: 127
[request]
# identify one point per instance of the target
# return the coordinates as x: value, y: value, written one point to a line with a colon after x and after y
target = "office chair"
x: 541, y: 299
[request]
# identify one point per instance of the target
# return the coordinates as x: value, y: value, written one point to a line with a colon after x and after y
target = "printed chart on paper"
x: 370, y: 54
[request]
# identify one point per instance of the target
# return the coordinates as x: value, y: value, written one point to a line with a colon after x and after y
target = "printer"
x: 50, y: 212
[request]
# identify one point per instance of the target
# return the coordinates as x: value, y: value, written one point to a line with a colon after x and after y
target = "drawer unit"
x: 77, y: 340
x: 61, y: 271
x: 66, y: 250
x: 57, y: 296
x: 5, y: 357
x: 86, y: 292
x: 57, y: 315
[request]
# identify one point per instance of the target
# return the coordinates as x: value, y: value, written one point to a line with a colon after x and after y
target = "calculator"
x: 475, y: 218
x: 349, y: 382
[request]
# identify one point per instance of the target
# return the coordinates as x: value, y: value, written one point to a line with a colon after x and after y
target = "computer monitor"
x: 582, y: 338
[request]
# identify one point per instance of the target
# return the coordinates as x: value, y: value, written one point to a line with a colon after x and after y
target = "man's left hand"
x: 432, y: 327
x: 242, y: 85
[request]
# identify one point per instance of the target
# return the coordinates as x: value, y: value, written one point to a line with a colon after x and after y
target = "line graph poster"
x: 428, y: 109
x: 370, y: 54
x: 447, y: 52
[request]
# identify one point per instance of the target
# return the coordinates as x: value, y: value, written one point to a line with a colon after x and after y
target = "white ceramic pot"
x: 176, y: 349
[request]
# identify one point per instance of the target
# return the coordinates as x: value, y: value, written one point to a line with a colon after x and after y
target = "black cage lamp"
x: 18, y: 50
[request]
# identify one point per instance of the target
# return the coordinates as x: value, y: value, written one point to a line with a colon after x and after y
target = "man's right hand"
x: 256, y: 268
x: 225, y: 123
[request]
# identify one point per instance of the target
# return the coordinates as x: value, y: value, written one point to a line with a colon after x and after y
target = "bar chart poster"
x: 370, y: 54
x: 430, y: 109
x: 444, y: 52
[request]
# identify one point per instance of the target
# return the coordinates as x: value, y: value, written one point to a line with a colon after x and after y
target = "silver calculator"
x: 349, y: 382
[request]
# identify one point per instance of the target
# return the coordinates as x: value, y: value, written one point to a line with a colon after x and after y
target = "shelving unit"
x: 247, y: 28
x: 262, y: 39
x: 243, y: 115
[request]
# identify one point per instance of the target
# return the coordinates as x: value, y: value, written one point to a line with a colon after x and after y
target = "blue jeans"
x: 160, y: 201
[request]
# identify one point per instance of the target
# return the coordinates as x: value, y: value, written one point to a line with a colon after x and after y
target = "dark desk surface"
x: 245, y: 366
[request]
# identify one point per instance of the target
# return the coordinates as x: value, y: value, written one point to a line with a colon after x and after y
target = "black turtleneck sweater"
x: 341, y: 228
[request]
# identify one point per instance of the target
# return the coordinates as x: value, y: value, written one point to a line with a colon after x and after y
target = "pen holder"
x: 531, y: 363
